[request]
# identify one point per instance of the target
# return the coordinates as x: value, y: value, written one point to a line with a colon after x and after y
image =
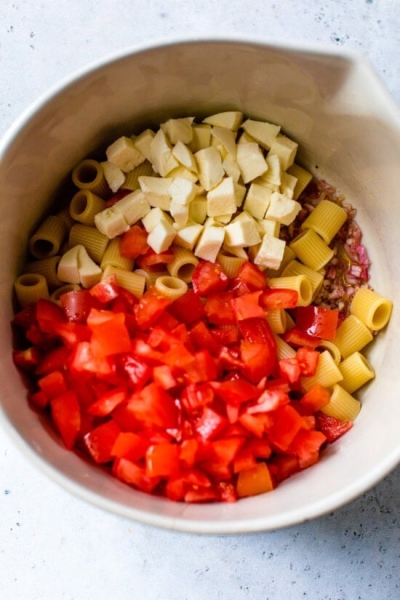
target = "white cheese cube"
x: 257, y: 200
x: 240, y: 192
x: 156, y: 190
x: 221, y: 149
x: 274, y: 173
x: 288, y: 184
x: 239, y: 252
x: 162, y: 159
x: 222, y: 219
x: 201, y: 137
x: 182, y: 191
x: 270, y: 252
x: 184, y: 156
x: 178, y: 130
x: 231, y: 168
x: 185, y: 173
x: 153, y: 217
x: 123, y: 154
x: 245, y: 138
x: 115, y: 177
x: 198, y: 209
x: 242, y: 233
x: 264, y: 133
x: 210, y: 243
x: 143, y: 143
x: 251, y: 161
x: 68, y: 267
x: 161, y: 237
x: 89, y: 272
x: 133, y: 207
x: 209, y: 166
x: 227, y: 138
x: 269, y: 226
x: 282, y: 209
x: 111, y: 222
x: 221, y: 200
x: 187, y: 236
x: 179, y: 212
x: 285, y: 149
x: 230, y: 119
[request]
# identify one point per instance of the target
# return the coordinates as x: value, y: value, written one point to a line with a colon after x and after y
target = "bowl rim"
x: 210, y: 526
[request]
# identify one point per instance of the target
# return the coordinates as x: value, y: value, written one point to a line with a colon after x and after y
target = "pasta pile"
x: 220, y: 191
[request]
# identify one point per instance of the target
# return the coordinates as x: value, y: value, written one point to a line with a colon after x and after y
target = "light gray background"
x: 54, y: 546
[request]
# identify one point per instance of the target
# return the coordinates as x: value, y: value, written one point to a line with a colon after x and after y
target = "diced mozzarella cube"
x: 123, y: 154
x: 231, y: 168
x: 245, y: 138
x: 285, y: 149
x: 143, y: 143
x: 251, y: 161
x: 303, y: 179
x: 162, y: 159
x: 227, y: 138
x: 257, y: 200
x: 115, y: 177
x: 111, y: 222
x: 230, y: 119
x: 201, y: 137
x: 282, y: 209
x: 264, y: 133
x: 68, y: 267
x: 198, y: 209
x: 210, y: 167
x: 179, y: 212
x: 161, y: 237
x: 184, y: 156
x: 89, y: 272
x: 178, y: 130
x: 240, y: 192
x: 210, y: 243
x: 242, y: 233
x: 182, y: 190
x: 133, y: 207
x: 185, y: 173
x: 222, y: 219
x: 153, y: 217
x: 156, y: 190
x: 239, y: 252
x: 273, y: 175
x: 288, y: 184
x: 221, y: 200
x: 269, y: 226
x: 187, y: 236
x: 270, y: 252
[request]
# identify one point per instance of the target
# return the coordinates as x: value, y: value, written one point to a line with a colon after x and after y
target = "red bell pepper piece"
x: 317, y: 321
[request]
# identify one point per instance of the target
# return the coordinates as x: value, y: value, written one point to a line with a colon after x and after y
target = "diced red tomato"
x: 332, y: 428
x: 251, y: 276
x: 317, y: 321
x: 106, y: 290
x: 219, y: 308
x: 162, y: 460
x: 253, y: 481
x: 188, y: 308
x: 209, y: 277
x: 275, y: 298
x: 66, y: 415
x: 153, y: 261
x: 247, y: 306
x: 308, y: 361
x: 295, y: 337
x: 100, y: 441
x: 315, y: 398
x: 133, y: 242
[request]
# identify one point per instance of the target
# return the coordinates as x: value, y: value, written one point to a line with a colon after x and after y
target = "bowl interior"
x: 349, y: 133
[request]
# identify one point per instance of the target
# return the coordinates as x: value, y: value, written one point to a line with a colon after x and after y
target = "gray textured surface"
x: 53, y: 546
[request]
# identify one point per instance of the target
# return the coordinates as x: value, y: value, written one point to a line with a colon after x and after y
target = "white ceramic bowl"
x: 348, y: 128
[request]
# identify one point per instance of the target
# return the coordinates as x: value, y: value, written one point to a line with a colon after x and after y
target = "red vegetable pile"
x: 182, y: 398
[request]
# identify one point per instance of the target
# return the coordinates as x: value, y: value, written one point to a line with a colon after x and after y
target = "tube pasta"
x: 297, y: 268
x: 230, y: 264
x: 311, y: 249
x: 132, y: 177
x: 356, y: 372
x: 351, y: 336
x: 303, y: 179
x: 331, y: 348
x: 85, y: 205
x: 172, y: 287
x: 342, y: 405
x: 131, y: 281
x: 65, y: 215
x: 327, y: 373
x: 112, y: 257
x: 46, y: 267
x: 371, y: 308
x: 326, y: 219
x: 48, y: 237
x: 150, y: 276
x: 63, y: 289
x: 89, y: 175
x: 283, y: 350
x: 94, y: 241
x: 277, y: 320
x: 300, y: 283
x: 183, y: 265
x: 30, y: 287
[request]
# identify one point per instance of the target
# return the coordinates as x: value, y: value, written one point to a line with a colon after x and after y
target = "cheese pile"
x: 226, y: 184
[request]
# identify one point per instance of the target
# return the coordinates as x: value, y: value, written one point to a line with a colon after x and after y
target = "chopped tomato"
x: 296, y: 337
x: 162, y: 460
x: 332, y: 428
x: 153, y: 261
x: 100, y: 441
x: 251, y: 276
x: 315, y: 398
x: 253, y: 481
x: 133, y: 242
x: 66, y: 415
x: 317, y: 321
x: 275, y: 298
x: 247, y: 306
x: 209, y: 277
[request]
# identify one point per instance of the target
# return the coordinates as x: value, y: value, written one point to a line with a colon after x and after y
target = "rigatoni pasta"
x: 30, y: 287
x: 326, y: 219
x: 311, y: 249
x: 371, y: 308
x: 342, y: 405
x: 89, y: 175
x: 356, y: 372
x: 48, y: 238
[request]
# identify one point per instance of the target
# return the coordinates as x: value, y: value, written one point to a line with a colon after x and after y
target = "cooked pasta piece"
x: 169, y: 286
x: 65, y: 215
x: 326, y: 219
x: 277, y: 320
x: 113, y: 257
x: 132, y: 177
x: 342, y: 405
x: 48, y: 237
x: 356, y: 372
x: 150, y: 276
x: 283, y: 350
x: 327, y: 373
x: 311, y: 249
x: 133, y: 282
x: 68, y: 287
x: 300, y: 283
x: 230, y: 264
x: 89, y: 175
x: 85, y: 205
x: 351, y: 336
x: 371, y: 308
x: 46, y: 267
x: 303, y: 179
x: 297, y: 268
x: 183, y: 265
x: 332, y: 348
x: 30, y: 287
x: 94, y: 241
